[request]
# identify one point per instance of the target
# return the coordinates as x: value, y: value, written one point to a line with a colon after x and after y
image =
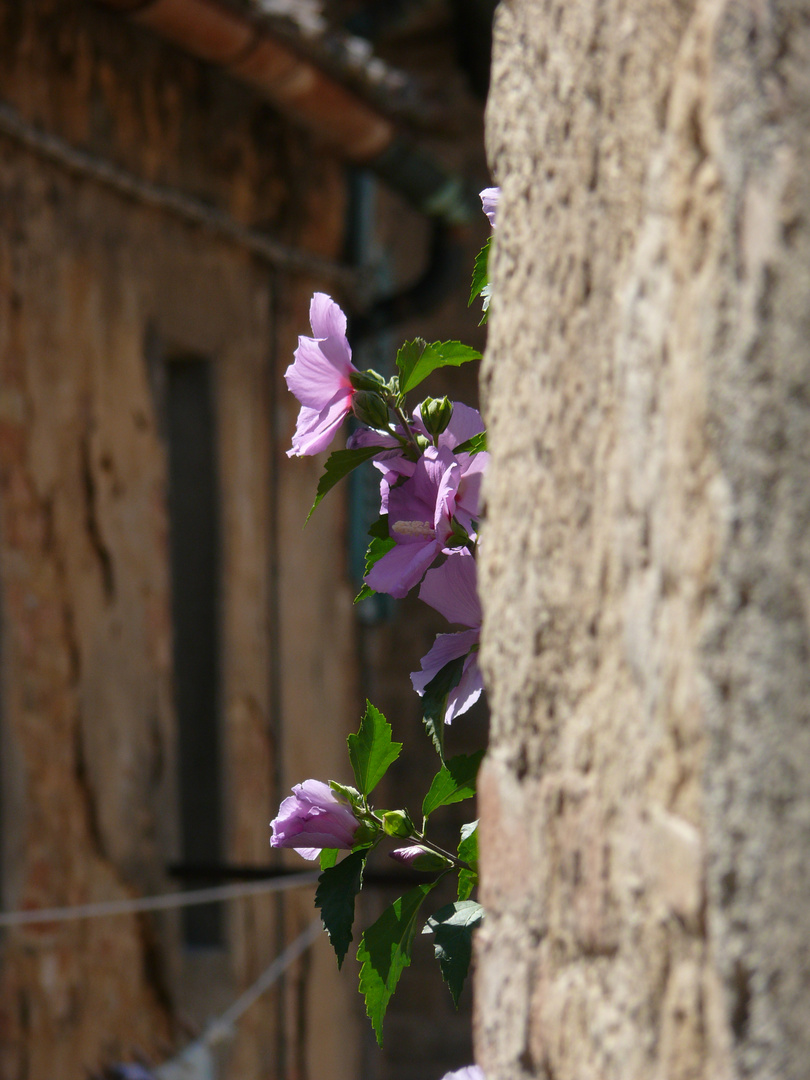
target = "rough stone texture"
x: 645, y: 561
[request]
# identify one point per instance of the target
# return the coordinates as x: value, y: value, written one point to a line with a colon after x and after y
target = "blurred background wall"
x: 175, y: 650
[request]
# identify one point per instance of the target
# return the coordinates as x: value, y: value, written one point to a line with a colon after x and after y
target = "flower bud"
x: 436, y: 414
x: 398, y: 823
x: 367, y: 380
x: 419, y: 858
x: 369, y: 408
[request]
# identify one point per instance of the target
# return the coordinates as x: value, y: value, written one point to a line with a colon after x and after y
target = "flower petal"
x: 471, y: 1072
x: 313, y: 378
x: 469, y: 690
x: 315, y: 430
x: 451, y: 590
x: 445, y: 648
x: 489, y: 202
x: 326, y: 317
x: 402, y: 567
x: 464, y: 423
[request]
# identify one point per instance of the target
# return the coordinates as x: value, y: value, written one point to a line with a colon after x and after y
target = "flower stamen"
x: 414, y: 528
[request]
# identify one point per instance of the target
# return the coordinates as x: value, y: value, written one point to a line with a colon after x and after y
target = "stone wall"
x: 645, y: 562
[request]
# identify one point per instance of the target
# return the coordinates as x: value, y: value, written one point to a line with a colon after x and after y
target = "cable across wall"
x: 169, y: 200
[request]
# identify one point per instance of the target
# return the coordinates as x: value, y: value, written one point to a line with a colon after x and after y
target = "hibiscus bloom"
x: 320, y: 378
x: 471, y: 1072
x: 451, y: 590
x: 420, y: 520
x: 313, y: 818
x: 489, y: 201
x: 464, y: 423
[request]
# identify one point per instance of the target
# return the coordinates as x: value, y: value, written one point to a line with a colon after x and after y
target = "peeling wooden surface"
x: 96, y: 293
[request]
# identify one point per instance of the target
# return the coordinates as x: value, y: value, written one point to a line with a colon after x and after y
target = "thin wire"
x: 158, y: 903
x: 191, y: 210
x: 221, y: 1026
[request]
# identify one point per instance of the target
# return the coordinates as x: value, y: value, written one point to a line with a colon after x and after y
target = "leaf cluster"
x: 415, y: 361
x: 385, y: 947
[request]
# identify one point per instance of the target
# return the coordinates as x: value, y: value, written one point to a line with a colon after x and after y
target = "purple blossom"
x: 489, y: 201
x: 448, y: 647
x: 364, y: 436
x: 471, y: 1072
x: 394, y: 465
x: 420, y: 513
x: 422, y: 499
x: 451, y: 590
x: 464, y: 423
x: 319, y: 378
x: 313, y: 818
x: 416, y: 857
x: 408, y: 855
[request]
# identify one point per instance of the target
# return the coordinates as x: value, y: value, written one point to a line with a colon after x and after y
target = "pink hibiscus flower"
x: 451, y: 590
x: 320, y: 378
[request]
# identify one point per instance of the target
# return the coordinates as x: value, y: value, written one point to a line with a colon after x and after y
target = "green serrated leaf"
x: 337, y: 888
x: 379, y: 528
x: 434, y: 700
x: 328, y: 857
x: 480, y: 278
x: 408, y: 356
x: 467, y: 880
x: 385, y: 952
x: 372, y: 750
x: 453, y: 783
x: 468, y: 852
x: 416, y: 360
x: 468, y: 844
x: 473, y: 445
x: 338, y: 465
x: 378, y: 547
x: 453, y: 926
x: 435, y: 729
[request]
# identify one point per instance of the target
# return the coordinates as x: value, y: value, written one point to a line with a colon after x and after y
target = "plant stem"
x: 454, y: 859
x: 397, y: 410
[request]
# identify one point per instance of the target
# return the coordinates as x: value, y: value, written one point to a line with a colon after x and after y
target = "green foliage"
x: 347, y: 792
x: 337, y: 888
x: 379, y: 528
x: 434, y: 700
x: 385, y: 952
x: 328, y: 857
x: 480, y: 278
x: 372, y: 750
x: 338, y: 465
x: 474, y: 445
x: 453, y: 926
x: 453, y: 783
x: 468, y: 852
x: 378, y: 547
x: 416, y: 360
